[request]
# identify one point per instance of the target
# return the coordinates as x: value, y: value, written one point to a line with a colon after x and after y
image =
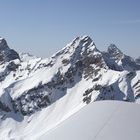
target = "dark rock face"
x: 3, y: 44
x: 3, y: 107
x: 9, y: 68
x: 130, y: 63
x: 11, y: 55
x: 115, y: 52
x: 136, y: 86
x: 12, y: 66
x: 138, y: 60
x: 7, y: 54
x: 32, y: 101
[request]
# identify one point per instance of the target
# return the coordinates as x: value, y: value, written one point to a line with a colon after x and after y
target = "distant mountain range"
x: 37, y: 94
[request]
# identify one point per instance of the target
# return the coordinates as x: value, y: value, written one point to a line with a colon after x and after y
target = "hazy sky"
x: 42, y: 27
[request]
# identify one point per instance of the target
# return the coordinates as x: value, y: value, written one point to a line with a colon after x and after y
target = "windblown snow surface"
x: 103, y: 120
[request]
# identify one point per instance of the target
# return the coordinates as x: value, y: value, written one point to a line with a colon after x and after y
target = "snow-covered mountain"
x: 41, y: 93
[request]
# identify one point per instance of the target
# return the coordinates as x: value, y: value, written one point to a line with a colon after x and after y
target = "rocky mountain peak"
x: 6, y: 54
x: 3, y: 44
x: 77, y: 49
x: 138, y: 60
x: 114, y: 51
x: 81, y: 43
x: 117, y: 60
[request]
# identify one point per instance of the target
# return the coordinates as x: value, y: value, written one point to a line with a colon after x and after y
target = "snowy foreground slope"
x: 38, y: 94
x: 104, y: 120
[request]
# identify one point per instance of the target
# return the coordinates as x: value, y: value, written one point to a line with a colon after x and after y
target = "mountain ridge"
x: 73, y: 77
x: 80, y: 54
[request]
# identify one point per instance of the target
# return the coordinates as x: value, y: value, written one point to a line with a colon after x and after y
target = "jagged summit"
x: 79, y: 49
x: 7, y: 54
x: 114, y: 51
x: 118, y: 61
x: 78, y: 45
x: 82, y: 40
x: 3, y: 44
x: 138, y: 60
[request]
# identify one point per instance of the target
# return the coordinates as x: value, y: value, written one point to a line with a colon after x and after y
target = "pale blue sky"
x: 42, y: 27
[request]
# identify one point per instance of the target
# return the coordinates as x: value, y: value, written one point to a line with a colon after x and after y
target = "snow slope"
x: 104, y: 120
